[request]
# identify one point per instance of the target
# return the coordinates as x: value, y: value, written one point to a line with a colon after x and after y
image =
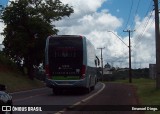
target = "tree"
x: 107, y: 65
x: 28, y: 23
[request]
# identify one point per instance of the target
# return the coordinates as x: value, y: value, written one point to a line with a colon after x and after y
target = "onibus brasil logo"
x: 21, y: 108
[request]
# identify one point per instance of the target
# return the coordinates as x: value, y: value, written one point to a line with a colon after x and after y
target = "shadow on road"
x: 70, y: 92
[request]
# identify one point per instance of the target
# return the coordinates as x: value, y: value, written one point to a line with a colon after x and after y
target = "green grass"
x: 16, y: 82
x: 146, y: 91
x: 13, y: 79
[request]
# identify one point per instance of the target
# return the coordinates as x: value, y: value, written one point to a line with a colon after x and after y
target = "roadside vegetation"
x: 146, y: 91
x: 14, y: 81
x: 13, y: 78
x: 25, y: 40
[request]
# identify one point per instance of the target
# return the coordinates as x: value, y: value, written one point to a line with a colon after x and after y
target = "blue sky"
x: 99, y: 16
x: 124, y: 7
x: 127, y: 10
x: 4, y: 2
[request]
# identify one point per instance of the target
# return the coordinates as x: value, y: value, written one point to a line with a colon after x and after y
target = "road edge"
x: 82, y: 101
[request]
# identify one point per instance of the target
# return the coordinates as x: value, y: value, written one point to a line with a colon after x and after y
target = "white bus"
x: 70, y: 62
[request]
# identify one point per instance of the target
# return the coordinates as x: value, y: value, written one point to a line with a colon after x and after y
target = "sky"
x: 103, y: 22
x: 4, y: 2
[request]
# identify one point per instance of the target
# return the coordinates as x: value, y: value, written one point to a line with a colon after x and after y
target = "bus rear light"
x: 83, y: 71
x: 81, y: 36
x: 47, y: 71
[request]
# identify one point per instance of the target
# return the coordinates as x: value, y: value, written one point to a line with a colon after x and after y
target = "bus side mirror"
x: 97, y: 61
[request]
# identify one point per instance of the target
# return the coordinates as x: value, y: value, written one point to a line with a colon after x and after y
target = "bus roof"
x: 67, y: 36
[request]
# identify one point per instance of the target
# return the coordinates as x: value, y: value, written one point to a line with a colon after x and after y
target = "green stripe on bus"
x: 65, y: 77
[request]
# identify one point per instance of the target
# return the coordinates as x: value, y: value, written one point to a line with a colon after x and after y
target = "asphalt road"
x: 114, y: 99
x: 45, y: 98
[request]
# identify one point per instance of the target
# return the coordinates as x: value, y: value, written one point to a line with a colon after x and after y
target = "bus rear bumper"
x: 65, y: 84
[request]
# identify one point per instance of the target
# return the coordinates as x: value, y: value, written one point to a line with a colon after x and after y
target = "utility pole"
x: 101, y: 61
x: 157, y: 44
x: 130, y: 71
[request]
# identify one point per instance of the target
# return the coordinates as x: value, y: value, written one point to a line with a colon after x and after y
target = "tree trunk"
x: 29, y: 66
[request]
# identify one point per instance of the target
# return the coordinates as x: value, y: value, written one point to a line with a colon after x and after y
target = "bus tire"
x: 93, y: 87
x: 88, y: 90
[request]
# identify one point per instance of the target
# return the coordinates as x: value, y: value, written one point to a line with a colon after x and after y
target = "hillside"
x: 13, y: 78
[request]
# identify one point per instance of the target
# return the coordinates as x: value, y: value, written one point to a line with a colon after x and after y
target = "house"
x: 107, y: 71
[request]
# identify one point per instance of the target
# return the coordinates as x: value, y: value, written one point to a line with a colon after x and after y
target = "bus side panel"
x: 91, y: 67
x: 46, y: 51
x: 85, y: 61
x: 84, y: 51
x: 46, y: 57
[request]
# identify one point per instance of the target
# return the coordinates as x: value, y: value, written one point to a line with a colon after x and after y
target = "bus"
x: 70, y: 62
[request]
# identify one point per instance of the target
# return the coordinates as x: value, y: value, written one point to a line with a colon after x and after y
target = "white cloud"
x: 144, y: 41
x: 83, y: 8
x: 87, y: 20
x: 94, y: 25
x: 1, y: 37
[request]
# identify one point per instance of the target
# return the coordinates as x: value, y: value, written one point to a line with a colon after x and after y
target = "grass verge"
x: 12, y: 78
x: 146, y: 91
x: 16, y: 82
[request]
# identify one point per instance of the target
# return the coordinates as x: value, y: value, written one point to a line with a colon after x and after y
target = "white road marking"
x: 82, y: 101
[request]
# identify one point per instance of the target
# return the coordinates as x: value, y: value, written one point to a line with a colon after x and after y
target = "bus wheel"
x: 88, y: 90
x: 93, y: 87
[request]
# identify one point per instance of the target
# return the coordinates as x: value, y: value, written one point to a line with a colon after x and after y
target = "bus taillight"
x: 83, y: 71
x: 47, y: 71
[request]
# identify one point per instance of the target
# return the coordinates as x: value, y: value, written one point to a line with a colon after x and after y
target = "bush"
x: 5, y: 62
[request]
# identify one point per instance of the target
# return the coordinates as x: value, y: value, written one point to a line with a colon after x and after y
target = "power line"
x: 138, y: 42
x: 129, y: 15
x: 146, y: 13
x: 137, y: 8
x: 123, y: 43
x: 135, y: 12
x: 145, y: 25
x: 144, y: 28
x: 119, y: 38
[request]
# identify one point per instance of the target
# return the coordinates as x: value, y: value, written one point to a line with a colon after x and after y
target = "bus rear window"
x: 65, y: 55
x: 69, y: 52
